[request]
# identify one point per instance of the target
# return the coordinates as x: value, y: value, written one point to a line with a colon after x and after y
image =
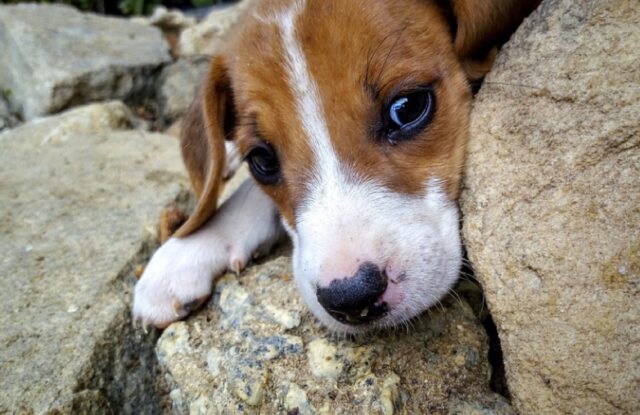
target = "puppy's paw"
x: 179, y: 277
x: 177, y: 280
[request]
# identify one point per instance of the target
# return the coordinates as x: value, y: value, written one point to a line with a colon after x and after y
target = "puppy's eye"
x: 409, y: 113
x: 264, y: 164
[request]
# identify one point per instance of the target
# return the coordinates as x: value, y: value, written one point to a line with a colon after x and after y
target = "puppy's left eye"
x: 408, y: 113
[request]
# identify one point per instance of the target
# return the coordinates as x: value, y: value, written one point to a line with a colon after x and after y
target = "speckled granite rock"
x: 256, y: 349
x: 208, y: 36
x: 79, y: 203
x: 178, y: 85
x: 552, y: 207
x: 55, y: 57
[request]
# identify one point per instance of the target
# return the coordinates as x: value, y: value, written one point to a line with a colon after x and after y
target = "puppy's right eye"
x: 264, y: 164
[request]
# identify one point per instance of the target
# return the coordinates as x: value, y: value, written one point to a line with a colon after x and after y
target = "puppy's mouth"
x: 359, y: 316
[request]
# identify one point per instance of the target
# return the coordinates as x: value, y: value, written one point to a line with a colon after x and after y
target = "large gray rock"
x: 256, y: 349
x: 208, y: 36
x: 79, y: 202
x: 552, y: 207
x: 178, y: 85
x: 7, y: 118
x: 55, y: 57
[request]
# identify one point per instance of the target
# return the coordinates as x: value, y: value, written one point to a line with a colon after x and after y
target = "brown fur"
x: 360, y: 53
x: 171, y: 218
x: 202, y: 143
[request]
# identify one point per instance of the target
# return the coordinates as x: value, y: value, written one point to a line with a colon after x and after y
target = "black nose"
x: 354, y: 300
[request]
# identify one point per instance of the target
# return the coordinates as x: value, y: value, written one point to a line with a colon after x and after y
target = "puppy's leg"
x: 179, y: 277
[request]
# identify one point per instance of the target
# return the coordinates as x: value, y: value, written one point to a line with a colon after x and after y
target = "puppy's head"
x: 353, y: 116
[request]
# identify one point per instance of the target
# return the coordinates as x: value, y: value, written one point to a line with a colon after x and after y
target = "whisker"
x: 370, y: 57
x: 386, y: 59
x: 455, y: 295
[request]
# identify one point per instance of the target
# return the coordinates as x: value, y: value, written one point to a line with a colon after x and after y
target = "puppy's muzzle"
x: 357, y: 299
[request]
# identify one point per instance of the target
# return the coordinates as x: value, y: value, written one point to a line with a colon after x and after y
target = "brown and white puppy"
x: 353, y: 116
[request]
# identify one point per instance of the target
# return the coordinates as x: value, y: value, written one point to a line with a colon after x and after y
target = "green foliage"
x: 126, y: 7
x: 137, y: 7
x: 202, y: 3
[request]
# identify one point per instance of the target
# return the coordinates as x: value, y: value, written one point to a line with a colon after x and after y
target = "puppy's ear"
x: 208, y: 123
x: 480, y: 26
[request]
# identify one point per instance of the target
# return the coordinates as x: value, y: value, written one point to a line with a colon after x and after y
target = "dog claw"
x: 176, y: 308
x: 145, y: 327
x: 237, y: 266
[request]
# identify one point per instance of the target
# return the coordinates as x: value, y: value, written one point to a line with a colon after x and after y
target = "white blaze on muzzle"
x: 345, y: 222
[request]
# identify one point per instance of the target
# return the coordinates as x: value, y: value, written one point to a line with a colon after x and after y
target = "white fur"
x: 414, y: 238
x: 233, y: 159
x: 182, y: 270
x: 305, y: 91
x: 346, y: 220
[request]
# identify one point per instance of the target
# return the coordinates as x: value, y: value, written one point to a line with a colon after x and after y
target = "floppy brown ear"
x: 482, y: 25
x: 209, y: 121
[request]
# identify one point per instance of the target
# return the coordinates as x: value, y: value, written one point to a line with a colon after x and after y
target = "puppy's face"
x: 353, y: 116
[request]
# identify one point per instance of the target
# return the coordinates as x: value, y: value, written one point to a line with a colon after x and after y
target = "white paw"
x: 179, y: 277
x: 177, y: 280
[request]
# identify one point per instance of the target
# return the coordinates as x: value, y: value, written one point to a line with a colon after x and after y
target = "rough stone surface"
x: 256, y: 349
x: 79, y: 200
x: 178, y: 85
x: 7, y: 118
x: 55, y: 57
x: 166, y: 20
x: 552, y: 207
x: 171, y: 22
x: 208, y: 36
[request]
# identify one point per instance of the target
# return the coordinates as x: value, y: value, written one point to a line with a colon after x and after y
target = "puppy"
x: 353, y: 117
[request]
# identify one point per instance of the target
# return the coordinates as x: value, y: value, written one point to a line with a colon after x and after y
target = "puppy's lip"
x: 367, y: 315
x: 393, y: 295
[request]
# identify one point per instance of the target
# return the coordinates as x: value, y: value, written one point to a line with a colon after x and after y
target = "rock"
x: 552, y: 207
x: 79, y: 201
x: 296, y: 401
x: 234, y: 356
x: 166, y: 20
x: 322, y: 363
x: 178, y: 85
x: 171, y: 22
x: 7, y: 118
x: 56, y: 57
x: 89, y: 119
x: 207, y: 37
